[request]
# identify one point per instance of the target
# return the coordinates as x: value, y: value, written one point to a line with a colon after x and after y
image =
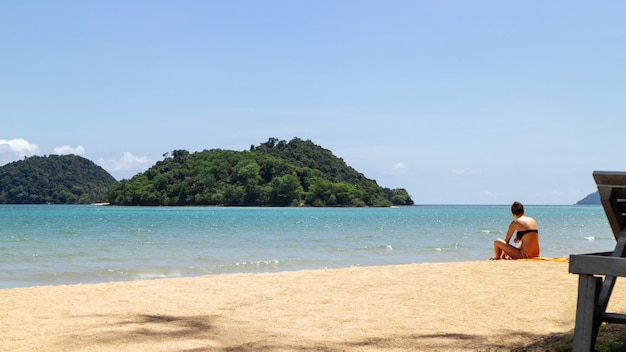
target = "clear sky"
x: 459, y: 102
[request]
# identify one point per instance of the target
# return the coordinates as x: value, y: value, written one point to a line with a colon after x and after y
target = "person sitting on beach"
x: 527, y: 234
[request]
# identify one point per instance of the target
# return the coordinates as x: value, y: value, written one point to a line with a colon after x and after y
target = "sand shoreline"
x: 438, y: 307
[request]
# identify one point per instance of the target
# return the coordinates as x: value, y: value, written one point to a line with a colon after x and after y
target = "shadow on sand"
x: 211, y: 333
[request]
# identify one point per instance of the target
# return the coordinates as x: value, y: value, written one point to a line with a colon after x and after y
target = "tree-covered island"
x: 274, y: 173
x: 53, y: 179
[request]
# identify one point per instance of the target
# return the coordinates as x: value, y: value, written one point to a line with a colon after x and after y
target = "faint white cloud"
x: 398, y: 169
x: 19, y: 146
x: 128, y: 161
x: 66, y: 149
x: 127, y: 165
x: 15, y: 149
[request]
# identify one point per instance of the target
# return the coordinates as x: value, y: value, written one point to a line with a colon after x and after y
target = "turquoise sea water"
x: 56, y: 244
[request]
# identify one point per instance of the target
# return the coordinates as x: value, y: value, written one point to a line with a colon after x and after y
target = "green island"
x: 53, y: 179
x: 274, y: 173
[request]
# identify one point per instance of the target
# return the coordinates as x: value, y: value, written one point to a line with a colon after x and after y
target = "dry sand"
x: 479, y: 306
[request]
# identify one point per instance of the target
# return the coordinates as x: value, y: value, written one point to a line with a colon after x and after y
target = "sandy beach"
x: 418, y: 307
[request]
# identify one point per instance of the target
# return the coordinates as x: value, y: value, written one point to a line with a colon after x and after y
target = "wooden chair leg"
x: 587, y: 315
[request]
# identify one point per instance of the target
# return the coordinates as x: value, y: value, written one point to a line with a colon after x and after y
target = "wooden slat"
x: 612, y: 209
x: 612, y: 178
x: 614, y: 318
x: 585, y: 328
x: 597, y: 265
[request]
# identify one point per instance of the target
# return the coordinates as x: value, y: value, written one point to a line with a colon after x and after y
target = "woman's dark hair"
x: 517, y: 208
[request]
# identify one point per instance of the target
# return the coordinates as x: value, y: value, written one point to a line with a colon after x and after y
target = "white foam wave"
x: 258, y: 264
x: 150, y: 276
x: 386, y: 247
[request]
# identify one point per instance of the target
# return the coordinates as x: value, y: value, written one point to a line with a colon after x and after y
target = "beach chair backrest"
x: 612, y: 191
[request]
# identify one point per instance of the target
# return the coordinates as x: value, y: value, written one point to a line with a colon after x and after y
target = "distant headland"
x: 590, y: 199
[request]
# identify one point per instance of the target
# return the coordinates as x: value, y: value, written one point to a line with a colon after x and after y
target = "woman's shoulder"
x: 527, y: 222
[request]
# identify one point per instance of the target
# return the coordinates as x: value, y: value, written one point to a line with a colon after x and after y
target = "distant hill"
x: 591, y: 199
x: 274, y: 173
x: 54, y: 179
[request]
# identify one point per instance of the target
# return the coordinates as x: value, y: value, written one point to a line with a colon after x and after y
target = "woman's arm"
x: 512, y: 227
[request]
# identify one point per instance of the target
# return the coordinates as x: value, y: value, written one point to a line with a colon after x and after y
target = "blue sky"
x: 459, y: 102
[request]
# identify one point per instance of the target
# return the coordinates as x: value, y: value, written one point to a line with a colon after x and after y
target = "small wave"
x: 491, y: 232
x: 452, y: 246
x: 150, y: 243
x: 150, y: 276
x: 385, y: 247
x: 258, y: 264
x: 139, y: 274
x: 590, y: 238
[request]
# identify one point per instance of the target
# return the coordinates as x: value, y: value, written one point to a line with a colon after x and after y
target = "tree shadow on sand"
x: 143, y: 328
x: 210, y: 333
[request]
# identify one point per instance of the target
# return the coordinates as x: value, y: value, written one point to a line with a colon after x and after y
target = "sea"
x: 74, y: 244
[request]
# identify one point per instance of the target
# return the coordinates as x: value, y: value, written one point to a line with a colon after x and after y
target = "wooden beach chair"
x: 599, y: 271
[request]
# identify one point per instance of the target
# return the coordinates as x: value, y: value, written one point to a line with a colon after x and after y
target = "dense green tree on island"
x: 275, y: 173
x: 54, y: 179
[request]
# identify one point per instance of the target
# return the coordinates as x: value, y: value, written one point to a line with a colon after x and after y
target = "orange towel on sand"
x: 543, y: 259
x: 546, y: 259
